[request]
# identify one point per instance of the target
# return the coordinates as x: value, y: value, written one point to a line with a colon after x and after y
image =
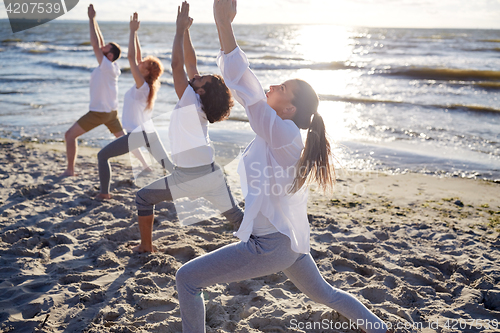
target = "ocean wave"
x: 358, y: 100
x: 44, y: 47
x: 274, y: 57
x: 436, y: 37
x: 473, y: 108
x: 26, y: 80
x: 63, y: 65
x: 484, y: 49
x: 443, y: 73
x: 488, y: 85
x: 11, y: 40
x: 238, y: 118
x: 34, y: 51
x: 365, y: 100
x: 70, y: 48
x: 444, y: 35
x: 334, y: 65
x: 12, y: 92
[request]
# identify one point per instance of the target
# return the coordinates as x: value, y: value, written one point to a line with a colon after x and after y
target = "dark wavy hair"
x: 116, y: 51
x: 217, y: 100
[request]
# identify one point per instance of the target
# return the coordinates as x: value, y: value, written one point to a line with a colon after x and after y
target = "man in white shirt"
x: 103, y: 94
x: 202, y: 100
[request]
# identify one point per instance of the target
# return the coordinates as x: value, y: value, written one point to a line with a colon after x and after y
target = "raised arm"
x: 182, y: 24
x: 132, y: 52
x: 100, y: 38
x: 224, y: 13
x: 245, y: 86
x: 138, y: 49
x: 189, y: 56
x: 95, y: 35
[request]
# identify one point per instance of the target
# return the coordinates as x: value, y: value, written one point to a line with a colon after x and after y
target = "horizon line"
x: 262, y: 23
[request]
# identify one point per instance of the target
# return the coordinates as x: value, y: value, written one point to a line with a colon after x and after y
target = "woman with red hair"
x: 136, y: 118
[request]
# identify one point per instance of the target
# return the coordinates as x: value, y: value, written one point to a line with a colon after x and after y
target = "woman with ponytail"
x: 138, y: 106
x: 275, y: 170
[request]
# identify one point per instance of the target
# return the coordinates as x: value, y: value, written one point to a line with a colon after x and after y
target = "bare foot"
x: 68, y: 173
x: 142, y: 249
x: 103, y: 196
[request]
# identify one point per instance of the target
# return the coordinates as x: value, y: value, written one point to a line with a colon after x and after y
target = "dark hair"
x: 155, y: 68
x: 116, y: 51
x: 314, y: 164
x: 217, y: 100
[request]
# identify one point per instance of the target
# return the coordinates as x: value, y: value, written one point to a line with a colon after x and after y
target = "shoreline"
x: 398, y: 168
x: 414, y: 248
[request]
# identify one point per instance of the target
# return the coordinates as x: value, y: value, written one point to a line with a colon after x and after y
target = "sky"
x: 483, y: 14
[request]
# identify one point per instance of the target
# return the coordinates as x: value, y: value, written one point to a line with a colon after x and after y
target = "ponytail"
x: 314, y: 165
x: 155, y: 68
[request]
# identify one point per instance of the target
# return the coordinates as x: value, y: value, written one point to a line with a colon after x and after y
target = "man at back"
x: 202, y: 99
x: 103, y: 94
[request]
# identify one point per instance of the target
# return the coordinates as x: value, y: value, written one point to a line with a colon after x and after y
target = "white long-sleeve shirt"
x: 188, y: 132
x: 267, y: 166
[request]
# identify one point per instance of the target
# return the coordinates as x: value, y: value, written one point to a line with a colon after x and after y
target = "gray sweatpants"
x: 262, y: 255
x: 205, y: 181
x: 126, y: 144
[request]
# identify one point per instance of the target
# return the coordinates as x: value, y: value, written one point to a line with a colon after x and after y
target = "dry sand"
x: 416, y: 249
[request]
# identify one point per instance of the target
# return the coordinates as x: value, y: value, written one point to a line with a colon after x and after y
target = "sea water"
x: 422, y: 100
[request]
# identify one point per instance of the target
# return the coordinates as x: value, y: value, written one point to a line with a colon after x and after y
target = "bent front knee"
x: 185, y: 278
x: 180, y: 274
x: 139, y: 200
x: 101, y: 156
x: 144, y: 207
x: 69, y: 136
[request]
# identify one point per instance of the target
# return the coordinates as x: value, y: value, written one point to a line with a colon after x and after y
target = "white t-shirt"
x: 104, y: 87
x: 268, y: 164
x: 188, y: 132
x: 134, y: 109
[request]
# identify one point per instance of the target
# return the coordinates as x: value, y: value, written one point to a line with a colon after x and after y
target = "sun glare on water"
x: 328, y: 49
x: 324, y: 43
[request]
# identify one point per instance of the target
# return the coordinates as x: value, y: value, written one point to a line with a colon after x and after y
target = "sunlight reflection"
x: 324, y: 43
x: 334, y: 116
x: 342, y: 123
x: 330, y: 48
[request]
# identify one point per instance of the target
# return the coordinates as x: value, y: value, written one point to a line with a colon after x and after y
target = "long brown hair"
x: 315, y: 162
x: 155, y: 68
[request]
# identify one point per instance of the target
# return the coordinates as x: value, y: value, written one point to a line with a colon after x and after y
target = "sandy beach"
x: 422, y: 252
